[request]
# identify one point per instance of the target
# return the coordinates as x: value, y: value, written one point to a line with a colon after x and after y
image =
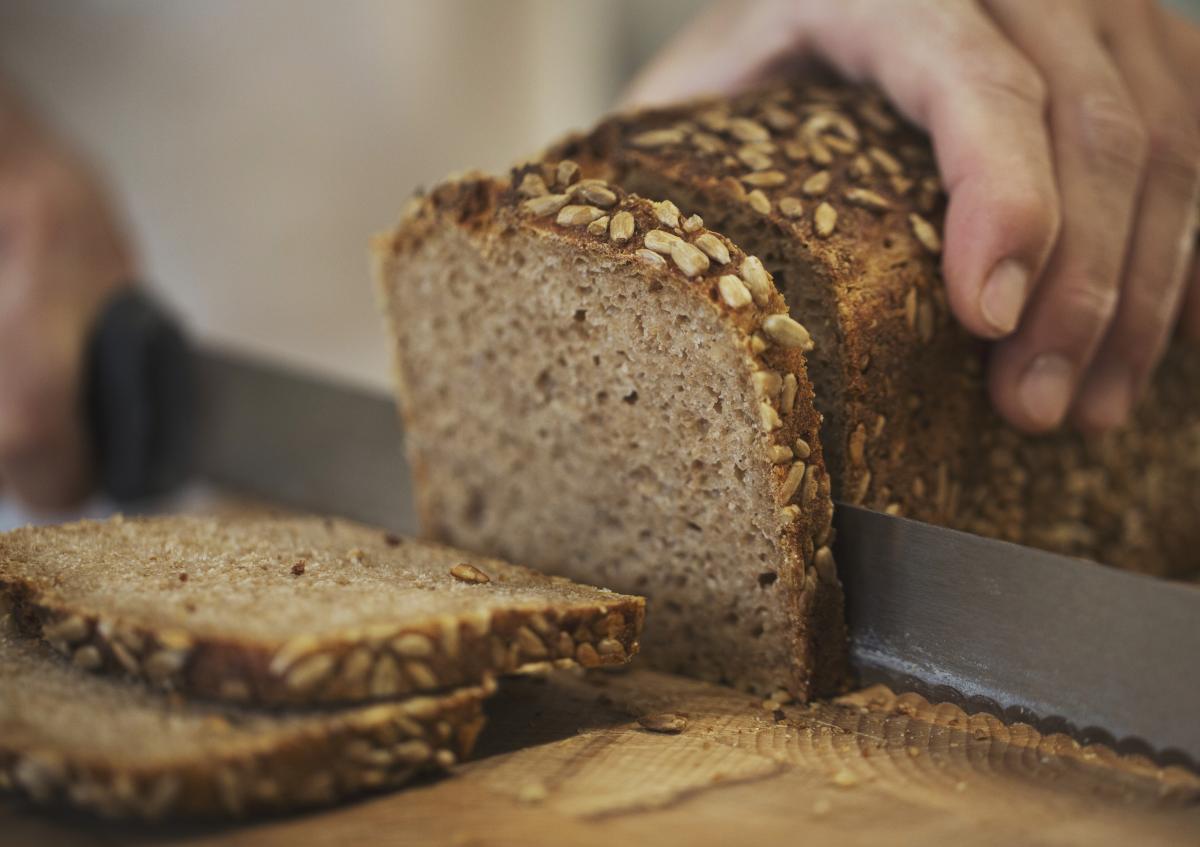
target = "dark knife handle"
x: 140, y: 398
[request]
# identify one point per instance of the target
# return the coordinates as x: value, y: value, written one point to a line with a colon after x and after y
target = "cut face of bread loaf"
x: 121, y: 750
x: 841, y: 201
x: 598, y: 385
x: 297, y: 610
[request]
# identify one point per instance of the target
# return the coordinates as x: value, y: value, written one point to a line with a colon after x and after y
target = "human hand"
x: 1068, y: 138
x: 62, y: 255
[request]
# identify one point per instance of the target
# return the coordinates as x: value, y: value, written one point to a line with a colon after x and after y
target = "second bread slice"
x: 298, y: 610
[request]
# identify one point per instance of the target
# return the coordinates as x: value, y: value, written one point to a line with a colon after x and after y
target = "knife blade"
x: 1063, y: 643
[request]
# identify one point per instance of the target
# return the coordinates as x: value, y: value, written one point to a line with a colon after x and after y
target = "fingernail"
x: 1003, y: 295
x: 1045, y: 390
x: 1108, y: 397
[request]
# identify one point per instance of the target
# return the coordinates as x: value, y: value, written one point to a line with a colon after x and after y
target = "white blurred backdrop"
x: 255, y: 146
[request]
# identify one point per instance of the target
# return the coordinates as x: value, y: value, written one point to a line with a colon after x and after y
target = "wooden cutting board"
x: 565, y: 761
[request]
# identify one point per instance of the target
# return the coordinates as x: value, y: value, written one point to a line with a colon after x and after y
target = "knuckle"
x: 1011, y: 77
x: 1112, y: 133
x: 1174, y: 148
x: 1090, y: 307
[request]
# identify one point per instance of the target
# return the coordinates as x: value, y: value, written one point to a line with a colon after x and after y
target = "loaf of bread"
x: 841, y: 202
x: 297, y: 610
x: 120, y: 750
x: 598, y: 384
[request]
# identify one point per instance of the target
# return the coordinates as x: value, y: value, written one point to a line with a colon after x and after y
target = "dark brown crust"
x: 478, y: 203
x: 421, y: 656
x: 912, y: 380
x: 361, y: 749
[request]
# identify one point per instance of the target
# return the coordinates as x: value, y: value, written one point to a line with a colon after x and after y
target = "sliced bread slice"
x: 122, y: 750
x: 297, y: 610
x: 598, y: 385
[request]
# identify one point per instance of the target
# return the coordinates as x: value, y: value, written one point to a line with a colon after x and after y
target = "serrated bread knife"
x: 1061, y: 643
x: 1058, y: 642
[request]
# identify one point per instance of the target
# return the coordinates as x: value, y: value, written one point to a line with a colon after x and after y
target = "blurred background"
x: 256, y: 146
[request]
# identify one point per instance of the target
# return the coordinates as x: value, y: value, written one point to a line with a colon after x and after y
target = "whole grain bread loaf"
x: 595, y: 383
x: 840, y: 200
x: 121, y: 750
x: 297, y: 610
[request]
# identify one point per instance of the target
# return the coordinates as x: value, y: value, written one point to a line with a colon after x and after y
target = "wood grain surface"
x: 566, y: 761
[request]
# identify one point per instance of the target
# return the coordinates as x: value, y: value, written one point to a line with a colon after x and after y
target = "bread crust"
x: 916, y: 429
x: 337, y: 754
x: 408, y: 656
x: 487, y: 207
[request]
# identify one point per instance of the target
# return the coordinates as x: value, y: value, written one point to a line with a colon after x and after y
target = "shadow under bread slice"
x: 297, y: 610
x: 122, y: 750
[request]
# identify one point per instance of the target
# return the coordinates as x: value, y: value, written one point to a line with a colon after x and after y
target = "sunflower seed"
x: 765, y: 179
x: 744, y: 129
x: 545, y: 205
x: 778, y: 118
x: 532, y: 185
x: 796, y: 151
x: 421, y: 676
x: 566, y: 173
x: 856, y: 449
x: 779, y: 453
x: 714, y: 247
x: 791, y: 207
x: 412, y: 645
x: 620, y: 228
x: 754, y: 158
x: 786, y: 332
x: 867, y: 198
x: 925, y: 319
x: 910, y: 308
x: 660, y: 241
x: 925, y: 233
x: 767, y: 383
x: 587, y: 656
x: 769, y: 417
x: 756, y: 279
x: 816, y: 184
x: 667, y: 213
x: 689, y: 258
x: 759, y: 202
x: 824, y: 220
x: 87, y: 657
x: 597, y: 194
x: 531, y: 646
x: 823, y: 561
x: 860, y: 168
x: 610, y: 647
x: 733, y: 291
x: 791, y: 483
x: 863, y: 487
x: 309, y: 672
x: 649, y: 256
x: 874, y: 114
x: 598, y: 226
x: 819, y: 153
x: 385, y: 677
x: 466, y: 572
x: 666, y: 723
x: 888, y: 163
x: 578, y: 215
x: 708, y: 143
x: 657, y: 138
x: 802, y: 448
x: 68, y: 630
x: 693, y: 224
x: 787, y: 400
x: 161, y: 665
